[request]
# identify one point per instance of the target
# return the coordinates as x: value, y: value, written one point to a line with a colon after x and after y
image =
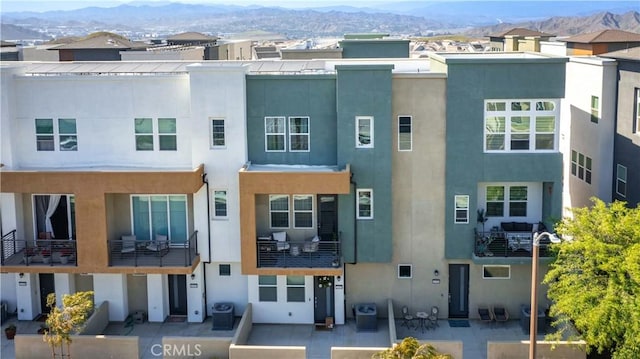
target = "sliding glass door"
x: 160, y: 215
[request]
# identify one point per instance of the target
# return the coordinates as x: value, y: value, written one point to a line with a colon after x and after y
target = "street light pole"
x: 533, y: 310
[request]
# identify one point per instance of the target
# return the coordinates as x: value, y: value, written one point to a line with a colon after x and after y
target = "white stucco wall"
x: 231, y: 288
x: 282, y: 311
x: 158, y: 297
x: 8, y: 291
x: 112, y: 288
x: 104, y: 108
x: 553, y: 48
x: 578, y: 133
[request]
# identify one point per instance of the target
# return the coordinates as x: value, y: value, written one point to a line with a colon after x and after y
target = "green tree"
x: 410, y: 348
x: 594, y: 282
x: 67, y: 320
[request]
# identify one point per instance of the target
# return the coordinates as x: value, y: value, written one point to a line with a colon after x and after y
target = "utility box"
x: 222, y: 316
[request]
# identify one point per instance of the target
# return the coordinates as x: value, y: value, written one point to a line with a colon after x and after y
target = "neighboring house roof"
x: 604, y: 36
x: 519, y: 31
x: 627, y: 54
x: 7, y: 44
x: 98, y: 42
x: 191, y: 36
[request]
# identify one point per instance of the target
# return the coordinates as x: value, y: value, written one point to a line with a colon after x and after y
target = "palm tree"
x: 410, y: 348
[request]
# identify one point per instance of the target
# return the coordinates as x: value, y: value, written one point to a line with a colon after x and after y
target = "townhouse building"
x: 302, y: 187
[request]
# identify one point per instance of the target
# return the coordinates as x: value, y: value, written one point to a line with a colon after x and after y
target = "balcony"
x: 499, y: 243
x: 298, y: 254
x: 41, y: 252
x: 138, y: 253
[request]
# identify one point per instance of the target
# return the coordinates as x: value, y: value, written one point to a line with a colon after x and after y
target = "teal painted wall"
x: 293, y: 95
x: 469, y: 83
x: 366, y: 91
x: 374, y: 49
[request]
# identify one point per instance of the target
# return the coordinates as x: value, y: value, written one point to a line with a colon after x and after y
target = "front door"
x: 458, y: 291
x: 323, y: 298
x: 328, y: 217
x: 177, y: 294
x: 47, y: 286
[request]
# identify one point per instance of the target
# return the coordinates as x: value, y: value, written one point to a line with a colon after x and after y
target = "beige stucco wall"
x: 190, y: 347
x: 31, y: 346
x: 546, y: 350
x: 418, y: 185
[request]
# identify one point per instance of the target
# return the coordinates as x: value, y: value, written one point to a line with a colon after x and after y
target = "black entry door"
x: 328, y: 217
x: 47, y: 285
x: 458, y: 291
x: 177, y: 294
x: 323, y: 298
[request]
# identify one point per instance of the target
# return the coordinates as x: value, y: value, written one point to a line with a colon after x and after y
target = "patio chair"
x: 485, y: 314
x: 500, y: 313
x: 128, y: 245
x: 282, y: 243
x: 407, y: 319
x: 160, y: 246
x: 433, y: 317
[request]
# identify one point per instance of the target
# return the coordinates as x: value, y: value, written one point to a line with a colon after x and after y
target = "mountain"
x: 12, y: 32
x: 567, y: 26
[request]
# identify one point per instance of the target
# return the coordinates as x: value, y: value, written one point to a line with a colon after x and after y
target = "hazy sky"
x: 46, y: 5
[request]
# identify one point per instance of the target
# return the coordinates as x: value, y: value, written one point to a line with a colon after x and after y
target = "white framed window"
x: 621, y: 180
x: 299, y: 134
x: 364, y: 132
x: 220, y: 204
x: 595, y: 109
x: 636, y: 115
x: 295, y: 288
x: 496, y: 272
x: 511, y: 200
x: 65, y: 132
x: 302, y: 211
x: 405, y: 135
x: 166, y: 135
x: 275, y: 134
x: 218, y: 139
x: 364, y: 203
x: 461, y: 214
x: 167, y: 138
x: 405, y: 271
x: 581, y: 166
x: 279, y: 210
x: 267, y: 288
x: 520, y: 125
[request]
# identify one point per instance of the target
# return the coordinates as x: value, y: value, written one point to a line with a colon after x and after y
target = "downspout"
x: 355, y: 223
x: 204, y: 264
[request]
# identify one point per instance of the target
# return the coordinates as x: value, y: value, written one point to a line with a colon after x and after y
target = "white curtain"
x: 54, y: 200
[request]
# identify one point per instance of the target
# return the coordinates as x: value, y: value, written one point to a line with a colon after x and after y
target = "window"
x: 496, y: 272
x: 275, y: 134
x: 167, y: 138
x: 365, y: 203
x: 267, y: 288
x: 404, y: 271
x: 295, y: 288
x: 44, y: 134
x: 581, y: 166
x: 220, y: 203
x: 404, y: 133
x: 462, y: 209
x: 497, y: 204
x: 160, y: 215
x: 299, y: 134
x: 636, y: 124
x: 517, y: 201
x: 224, y: 270
x: 364, y: 132
x: 520, y: 125
x: 621, y: 180
x: 144, y: 134
x: 595, y: 109
x: 66, y: 134
x: 217, y: 133
x: 279, y: 210
x: 302, y: 211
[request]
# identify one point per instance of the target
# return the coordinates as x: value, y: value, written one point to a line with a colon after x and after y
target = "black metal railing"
x: 298, y: 254
x: 137, y: 253
x: 40, y: 252
x: 506, y: 244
